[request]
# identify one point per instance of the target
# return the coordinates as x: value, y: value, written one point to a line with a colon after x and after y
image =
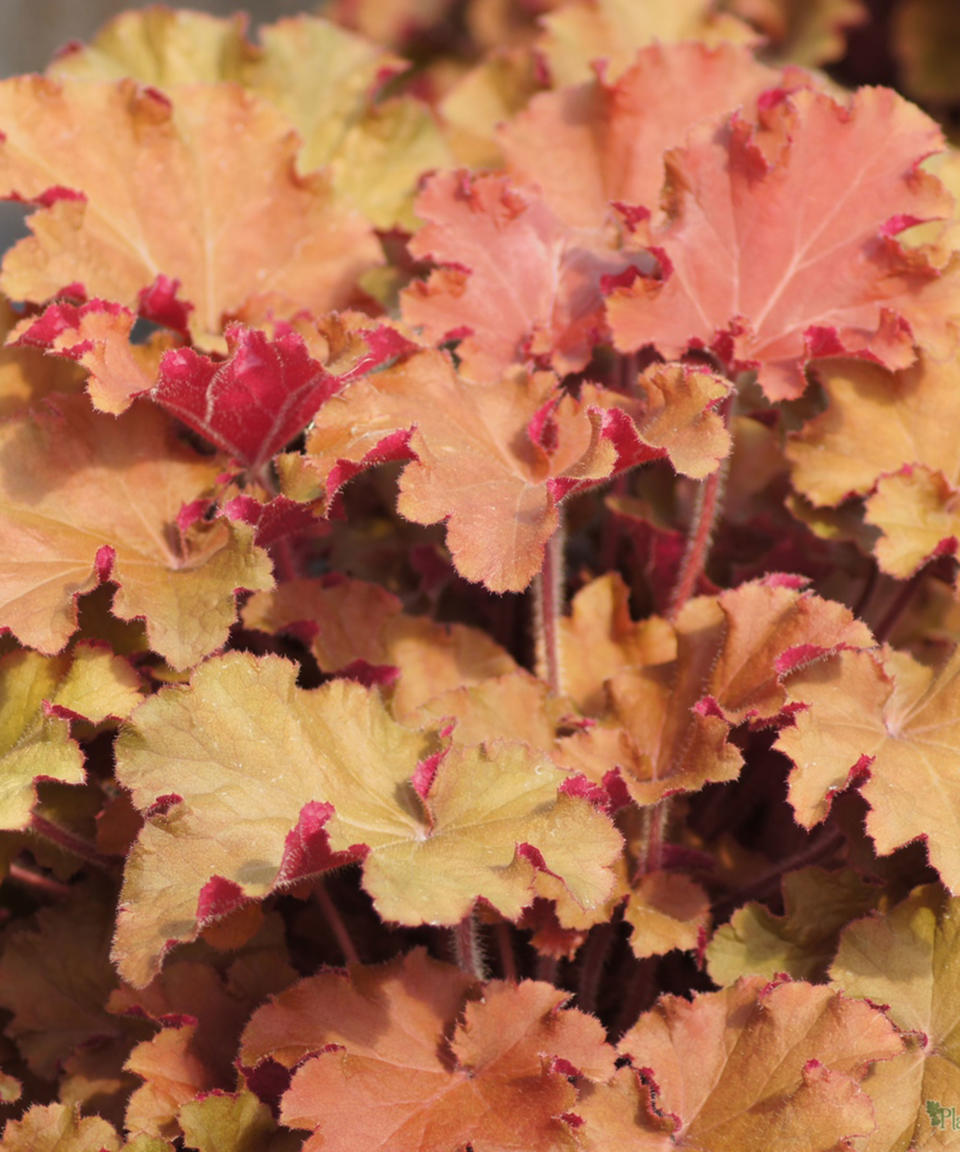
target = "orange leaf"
x: 127, y: 177
x: 761, y: 1066
x: 84, y: 498
x: 346, y: 621
x: 398, y: 1081
x: 477, y: 464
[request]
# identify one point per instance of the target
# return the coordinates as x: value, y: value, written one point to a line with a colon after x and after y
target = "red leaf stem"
x: 706, y: 516
x: 335, y: 923
x: 75, y: 845
x: 548, y: 608
x: 468, y: 949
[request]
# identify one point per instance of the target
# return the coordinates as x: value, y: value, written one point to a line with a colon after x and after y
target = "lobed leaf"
x: 598, y: 144
x: 263, y: 394
x: 97, y: 336
x: 396, y: 1071
x: 777, y: 244
x: 905, y: 959
x: 63, y: 531
x: 516, y: 285
x: 892, y: 724
x: 477, y: 466
x: 126, y: 178
x: 580, y: 33
x: 760, y: 1065
x: 346, y: 621
x: 233, y: 825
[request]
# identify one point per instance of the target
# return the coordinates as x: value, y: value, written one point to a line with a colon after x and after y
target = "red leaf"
x: 261, y: 396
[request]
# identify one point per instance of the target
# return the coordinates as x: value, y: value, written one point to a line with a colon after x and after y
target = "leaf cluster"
x: 479, y: 512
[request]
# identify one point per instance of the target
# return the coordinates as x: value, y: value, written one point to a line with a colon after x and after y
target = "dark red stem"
x: 46, y: 885
x: 595, y: 951
x: 335, y: 922
x: 508, y: 962
x: 898, y: 607
x: 75, y: 845
x: 822, y: 848
x: 466, y: 945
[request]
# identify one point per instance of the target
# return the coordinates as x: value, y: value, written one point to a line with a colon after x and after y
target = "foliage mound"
x: 479, y: 505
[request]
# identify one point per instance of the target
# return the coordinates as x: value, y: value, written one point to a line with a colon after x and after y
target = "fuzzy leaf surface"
x: 63, y: 530
x: 417, y: 1078
x: 487, y: 819
x: 759, y: 1066
x: 516, y: 282
x: 139, y: 173
x: 477, y: 466
x: 97, y: 336
x: 349, y: 620
x: 906, y: 960
x: 910, y: 414
x: 778, y: 242
x: 58, y: 1128
x: 666, y: 725
x: 257, y: 399
x: 590, y: 145
x: 895, y: 723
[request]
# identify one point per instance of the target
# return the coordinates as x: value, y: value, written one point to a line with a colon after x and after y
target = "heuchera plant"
x: 479, y: 496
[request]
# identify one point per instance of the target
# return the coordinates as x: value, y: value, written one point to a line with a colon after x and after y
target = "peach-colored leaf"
x: 26, y: 375
x: 97, y: 336
x: 325, y: 80
x: 346, y: 621
x: 399, y: 1075
x: 517, y: 284
x: 85, y: 497
x: 915, y: 510
x: 759, y: 1066
x: 55, y: 977
x: 397, y: 1010
x: 666, y: 725
x: 127, y: 177
x: 620, y: 1115
x: 479, y: 466
x: 666, y: 910
x: 778, y: 244
x: 599, y: 638
x: 910, y: 416
x: 602, y: 142
x: 673, y: 408
x: 173, y: 1074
